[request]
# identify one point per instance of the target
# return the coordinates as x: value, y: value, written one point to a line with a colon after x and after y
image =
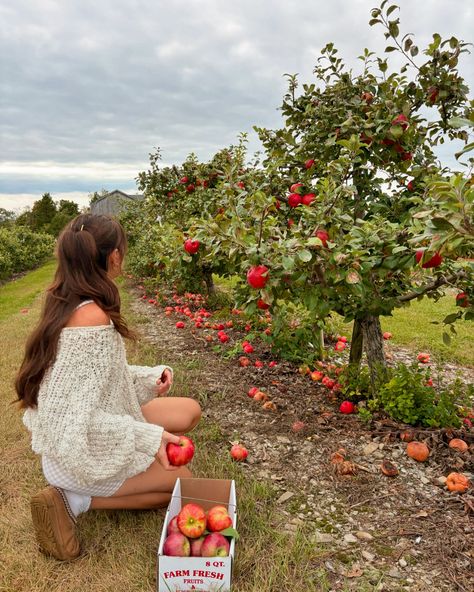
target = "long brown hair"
x: 82, y: 252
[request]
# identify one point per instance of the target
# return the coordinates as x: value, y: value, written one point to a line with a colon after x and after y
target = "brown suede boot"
x: 54, y: 524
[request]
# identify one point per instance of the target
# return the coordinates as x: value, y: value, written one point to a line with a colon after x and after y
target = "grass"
x: 412, y: 327
x: 119, y: 548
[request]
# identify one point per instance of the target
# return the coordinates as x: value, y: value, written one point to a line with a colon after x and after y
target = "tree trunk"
x: 373, y: 345
x: 211, y: 289
x: 357, y: 343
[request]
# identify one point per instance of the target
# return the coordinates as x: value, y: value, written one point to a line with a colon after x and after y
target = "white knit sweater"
x: 88, y: 416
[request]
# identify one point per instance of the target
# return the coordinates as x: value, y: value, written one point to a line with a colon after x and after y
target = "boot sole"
x: 49, y: 511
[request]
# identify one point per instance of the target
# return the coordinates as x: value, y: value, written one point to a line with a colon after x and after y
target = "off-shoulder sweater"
x: 88, y: 416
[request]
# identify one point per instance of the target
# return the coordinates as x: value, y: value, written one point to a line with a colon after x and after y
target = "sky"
x: 89, y: 88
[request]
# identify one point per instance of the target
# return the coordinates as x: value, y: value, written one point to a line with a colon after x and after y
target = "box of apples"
x: 197, y: 543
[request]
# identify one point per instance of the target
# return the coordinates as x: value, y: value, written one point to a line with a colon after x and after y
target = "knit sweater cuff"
x: 148, y: 437
x: 145, y: 378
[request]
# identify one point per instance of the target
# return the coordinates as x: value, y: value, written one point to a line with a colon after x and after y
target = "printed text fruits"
x: 215, y: 545
x: 418, y: 451
x: 218, y: 519
x: 238, y: 452
x: 347, y: 407
x: 257, y: 276
x: 192, y: 520
x: 294, y: 200
x: 191, y: 246
x: 177, y: 545
x: 180, y: 454
x: 435, y: 261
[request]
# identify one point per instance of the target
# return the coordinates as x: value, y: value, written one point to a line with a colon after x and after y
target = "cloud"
x: 104, y: 82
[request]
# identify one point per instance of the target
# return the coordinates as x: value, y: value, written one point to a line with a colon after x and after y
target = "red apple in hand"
x: 239, y: 452
x: 192, y: 520
x: 218, y: 519
x: 257, y: 276
x: 180, y: 454
x: 176, y: 545
x: 215, y: 545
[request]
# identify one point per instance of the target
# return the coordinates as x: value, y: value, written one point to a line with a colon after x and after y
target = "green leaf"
x: 230, y: 532
x: 391, y: 9
x: 450, y: 318
x: 458, y: 122
x: 390, y: 48
x: 288, y: 263
x: 446, y: 338
x: 304, y: 255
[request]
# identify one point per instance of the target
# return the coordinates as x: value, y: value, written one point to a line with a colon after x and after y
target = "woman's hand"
x: 161, y: 455
x: 163, y: 384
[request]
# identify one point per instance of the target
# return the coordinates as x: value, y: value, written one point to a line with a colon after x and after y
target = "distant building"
x: 113, y: 203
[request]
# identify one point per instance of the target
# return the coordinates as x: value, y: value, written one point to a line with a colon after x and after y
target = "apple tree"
x: 337, y: 219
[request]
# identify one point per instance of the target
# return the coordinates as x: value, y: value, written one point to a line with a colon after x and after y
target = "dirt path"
x: 401, y: 533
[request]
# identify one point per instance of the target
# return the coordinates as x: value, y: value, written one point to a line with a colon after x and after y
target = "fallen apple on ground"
x: 238, y: 452
x: 347, y: 407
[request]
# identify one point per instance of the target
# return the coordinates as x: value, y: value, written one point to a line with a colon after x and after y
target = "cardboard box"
x: 183, y: 574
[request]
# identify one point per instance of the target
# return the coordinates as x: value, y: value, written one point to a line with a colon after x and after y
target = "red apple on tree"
x: 215, y: 545
x: 401, y: 120
x: 262, y: 305
x: 182, y: 453
x: 295, y: 188
x: 294, y: 200
x: 323, y: 237
x: 257, y: 276
x: 192, y: 520
x: 309, y: 163
x: 435, y: 260
x: 462, y: 300
x: 184, y: 180
x: 218, y: 519
x: 308, y: 199
x: 176, y: 545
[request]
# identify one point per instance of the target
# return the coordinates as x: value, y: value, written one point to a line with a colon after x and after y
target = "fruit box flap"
x: 208, y: 492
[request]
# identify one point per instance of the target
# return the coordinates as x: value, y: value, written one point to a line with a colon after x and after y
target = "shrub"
x: 22, y: 249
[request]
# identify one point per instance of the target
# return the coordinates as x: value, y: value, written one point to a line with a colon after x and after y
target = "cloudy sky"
x: 88, y: 88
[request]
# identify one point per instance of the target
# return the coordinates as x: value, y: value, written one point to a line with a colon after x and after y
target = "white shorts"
x: 55, y: 475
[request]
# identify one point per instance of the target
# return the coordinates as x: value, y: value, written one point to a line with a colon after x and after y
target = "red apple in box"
x: 215, y: 545
x: 176, y: 545
x: 218, y: 519
x: 180, y: 454
x: 196, y: 546
x: 192, y: 520
x: 173, y: 526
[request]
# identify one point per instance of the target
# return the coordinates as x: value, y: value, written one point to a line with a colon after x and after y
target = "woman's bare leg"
x: 152, y: 488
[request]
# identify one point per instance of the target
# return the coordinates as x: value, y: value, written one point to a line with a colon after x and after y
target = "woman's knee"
x: 195, y: 413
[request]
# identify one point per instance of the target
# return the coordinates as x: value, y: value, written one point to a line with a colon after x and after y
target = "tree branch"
x: 440, y: 281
